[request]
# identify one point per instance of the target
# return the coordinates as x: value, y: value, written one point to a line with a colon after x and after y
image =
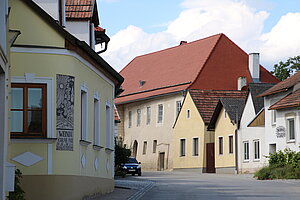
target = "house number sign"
x: 280, y: 132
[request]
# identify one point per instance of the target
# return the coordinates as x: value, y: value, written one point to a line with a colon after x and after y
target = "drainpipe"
x: 103, y: 50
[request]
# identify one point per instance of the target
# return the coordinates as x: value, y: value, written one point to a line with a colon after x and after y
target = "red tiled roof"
x: 207, y: 100
x: 291, y: 100
x: 212, y: 63
x: 79, y: 9
x: 99, y: 29
x: 283, y: 85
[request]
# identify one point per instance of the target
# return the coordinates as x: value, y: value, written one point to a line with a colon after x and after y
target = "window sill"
x: 246, y: 161
x: 33, y: 140
x: 256, y: 160
x: 84, y: 142
x: 195, y: 155
x: 291, y: 141
x: 108, y: 150
x: 97, y: 147
x: 182, y: 156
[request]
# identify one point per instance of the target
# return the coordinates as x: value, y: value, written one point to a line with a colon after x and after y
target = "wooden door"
x: 161, y: 161
x: 210, y: 158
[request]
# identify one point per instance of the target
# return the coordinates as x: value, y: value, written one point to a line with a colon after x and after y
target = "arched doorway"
x: 134, y: 149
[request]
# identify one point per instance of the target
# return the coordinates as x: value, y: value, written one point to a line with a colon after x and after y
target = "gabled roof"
x: 82, y: 9
x: 207, y: 100
x: 289, y: 101
x: 79, y: 46
x: 234, y: 108
x: 283, y: 85
x: 212, y: 63
x: 256, y: 89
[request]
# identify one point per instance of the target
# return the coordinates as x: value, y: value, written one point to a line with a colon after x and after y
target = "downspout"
x: 236, y: 142
x: 105, y: 48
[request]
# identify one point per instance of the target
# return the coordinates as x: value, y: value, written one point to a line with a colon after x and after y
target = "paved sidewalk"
x: 126, y: 189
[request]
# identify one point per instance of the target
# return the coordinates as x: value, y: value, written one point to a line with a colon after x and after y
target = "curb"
x: 140, y: 193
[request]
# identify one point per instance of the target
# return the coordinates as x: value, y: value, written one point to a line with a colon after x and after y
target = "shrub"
x: 282, y: 165
x: 18, y: 194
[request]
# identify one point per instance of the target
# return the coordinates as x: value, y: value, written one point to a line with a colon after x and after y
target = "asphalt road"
x: 191, y: 185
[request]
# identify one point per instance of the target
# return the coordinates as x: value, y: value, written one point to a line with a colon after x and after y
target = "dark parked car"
x: 132, y: 166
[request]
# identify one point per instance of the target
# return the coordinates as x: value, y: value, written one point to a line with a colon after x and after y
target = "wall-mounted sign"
x: 64, y: 112
x: 280, y: 131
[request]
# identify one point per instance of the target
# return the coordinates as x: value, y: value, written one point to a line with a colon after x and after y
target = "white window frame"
x: 273, y: 117
x: 160, y: 115
x: 145, y: 147
x: 178, y: 106
x: 154, y: 146
x: 195, y: 150
x: 256, y: 145
x: 288, y: 119
x: 219, y: 145
x: 49, y: 81
x: 84, y: 112
x: 108, y: 118
x: 97, y: 130
x: 229, y: 144
x: 148, y: 115
x: 246, y: 152
x: 138, y: 117
x: 182, y: 149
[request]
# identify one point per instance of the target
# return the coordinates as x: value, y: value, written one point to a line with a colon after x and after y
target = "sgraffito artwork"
x: 64, y: 112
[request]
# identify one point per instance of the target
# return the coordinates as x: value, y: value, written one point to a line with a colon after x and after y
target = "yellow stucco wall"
x: 189, y: 128
x: 224, y: 128
x: 48, y: 63
x: 34, y: 30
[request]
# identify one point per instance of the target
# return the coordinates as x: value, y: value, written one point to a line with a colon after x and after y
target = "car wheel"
x: 132, y: 174
x: 140, y: 174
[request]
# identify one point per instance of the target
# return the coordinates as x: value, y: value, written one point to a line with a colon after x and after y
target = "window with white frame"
x: 84, y: 114
x: 160, y: 113
x: 148, y: 115
x: 28, y: 110
x: 256, y: 150
x: 220, y: 145
x: 138, y: 117
x: 178, y: 107
x: 96, y: 121
x: 291, y: 129
x: 273, y: 116
x: 154, y: 146
x: 246, y: 150
x: 230, y: 140
x: 182, y: 147
x: 108, y: 125
x: 195, y: 146
x: 145, y: 147
x: 129, y: 119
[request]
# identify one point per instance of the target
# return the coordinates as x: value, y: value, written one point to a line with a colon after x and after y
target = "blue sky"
x: 137, y: 27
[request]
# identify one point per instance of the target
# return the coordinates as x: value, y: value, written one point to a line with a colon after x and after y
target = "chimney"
x: 241, y: 82
x: 183, y: 42
x: 254, y: 67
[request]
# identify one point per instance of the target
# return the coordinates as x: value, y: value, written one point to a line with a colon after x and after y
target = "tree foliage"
x: 121, y: 154
x: 283, y: 70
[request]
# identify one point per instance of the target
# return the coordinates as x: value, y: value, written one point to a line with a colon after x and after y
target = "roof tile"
x: 207, y: 100
x: 291, y: 100
x: 79, y: 9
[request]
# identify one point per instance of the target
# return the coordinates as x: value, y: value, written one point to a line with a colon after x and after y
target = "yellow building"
x: 225, y: 122
x: 194, y: 144
x: 61, y: 112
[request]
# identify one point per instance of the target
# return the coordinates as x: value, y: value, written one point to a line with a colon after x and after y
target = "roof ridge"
x: 173, y: 47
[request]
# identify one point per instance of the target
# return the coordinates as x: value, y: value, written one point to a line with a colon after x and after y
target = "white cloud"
x: 201, y: 18
x: 283, y: 40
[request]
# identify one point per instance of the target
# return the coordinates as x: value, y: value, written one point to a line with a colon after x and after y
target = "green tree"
x: 121, y: 155
x: 283, y: 70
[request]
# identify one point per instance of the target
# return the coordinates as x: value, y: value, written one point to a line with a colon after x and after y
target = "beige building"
x: 156, y: 83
